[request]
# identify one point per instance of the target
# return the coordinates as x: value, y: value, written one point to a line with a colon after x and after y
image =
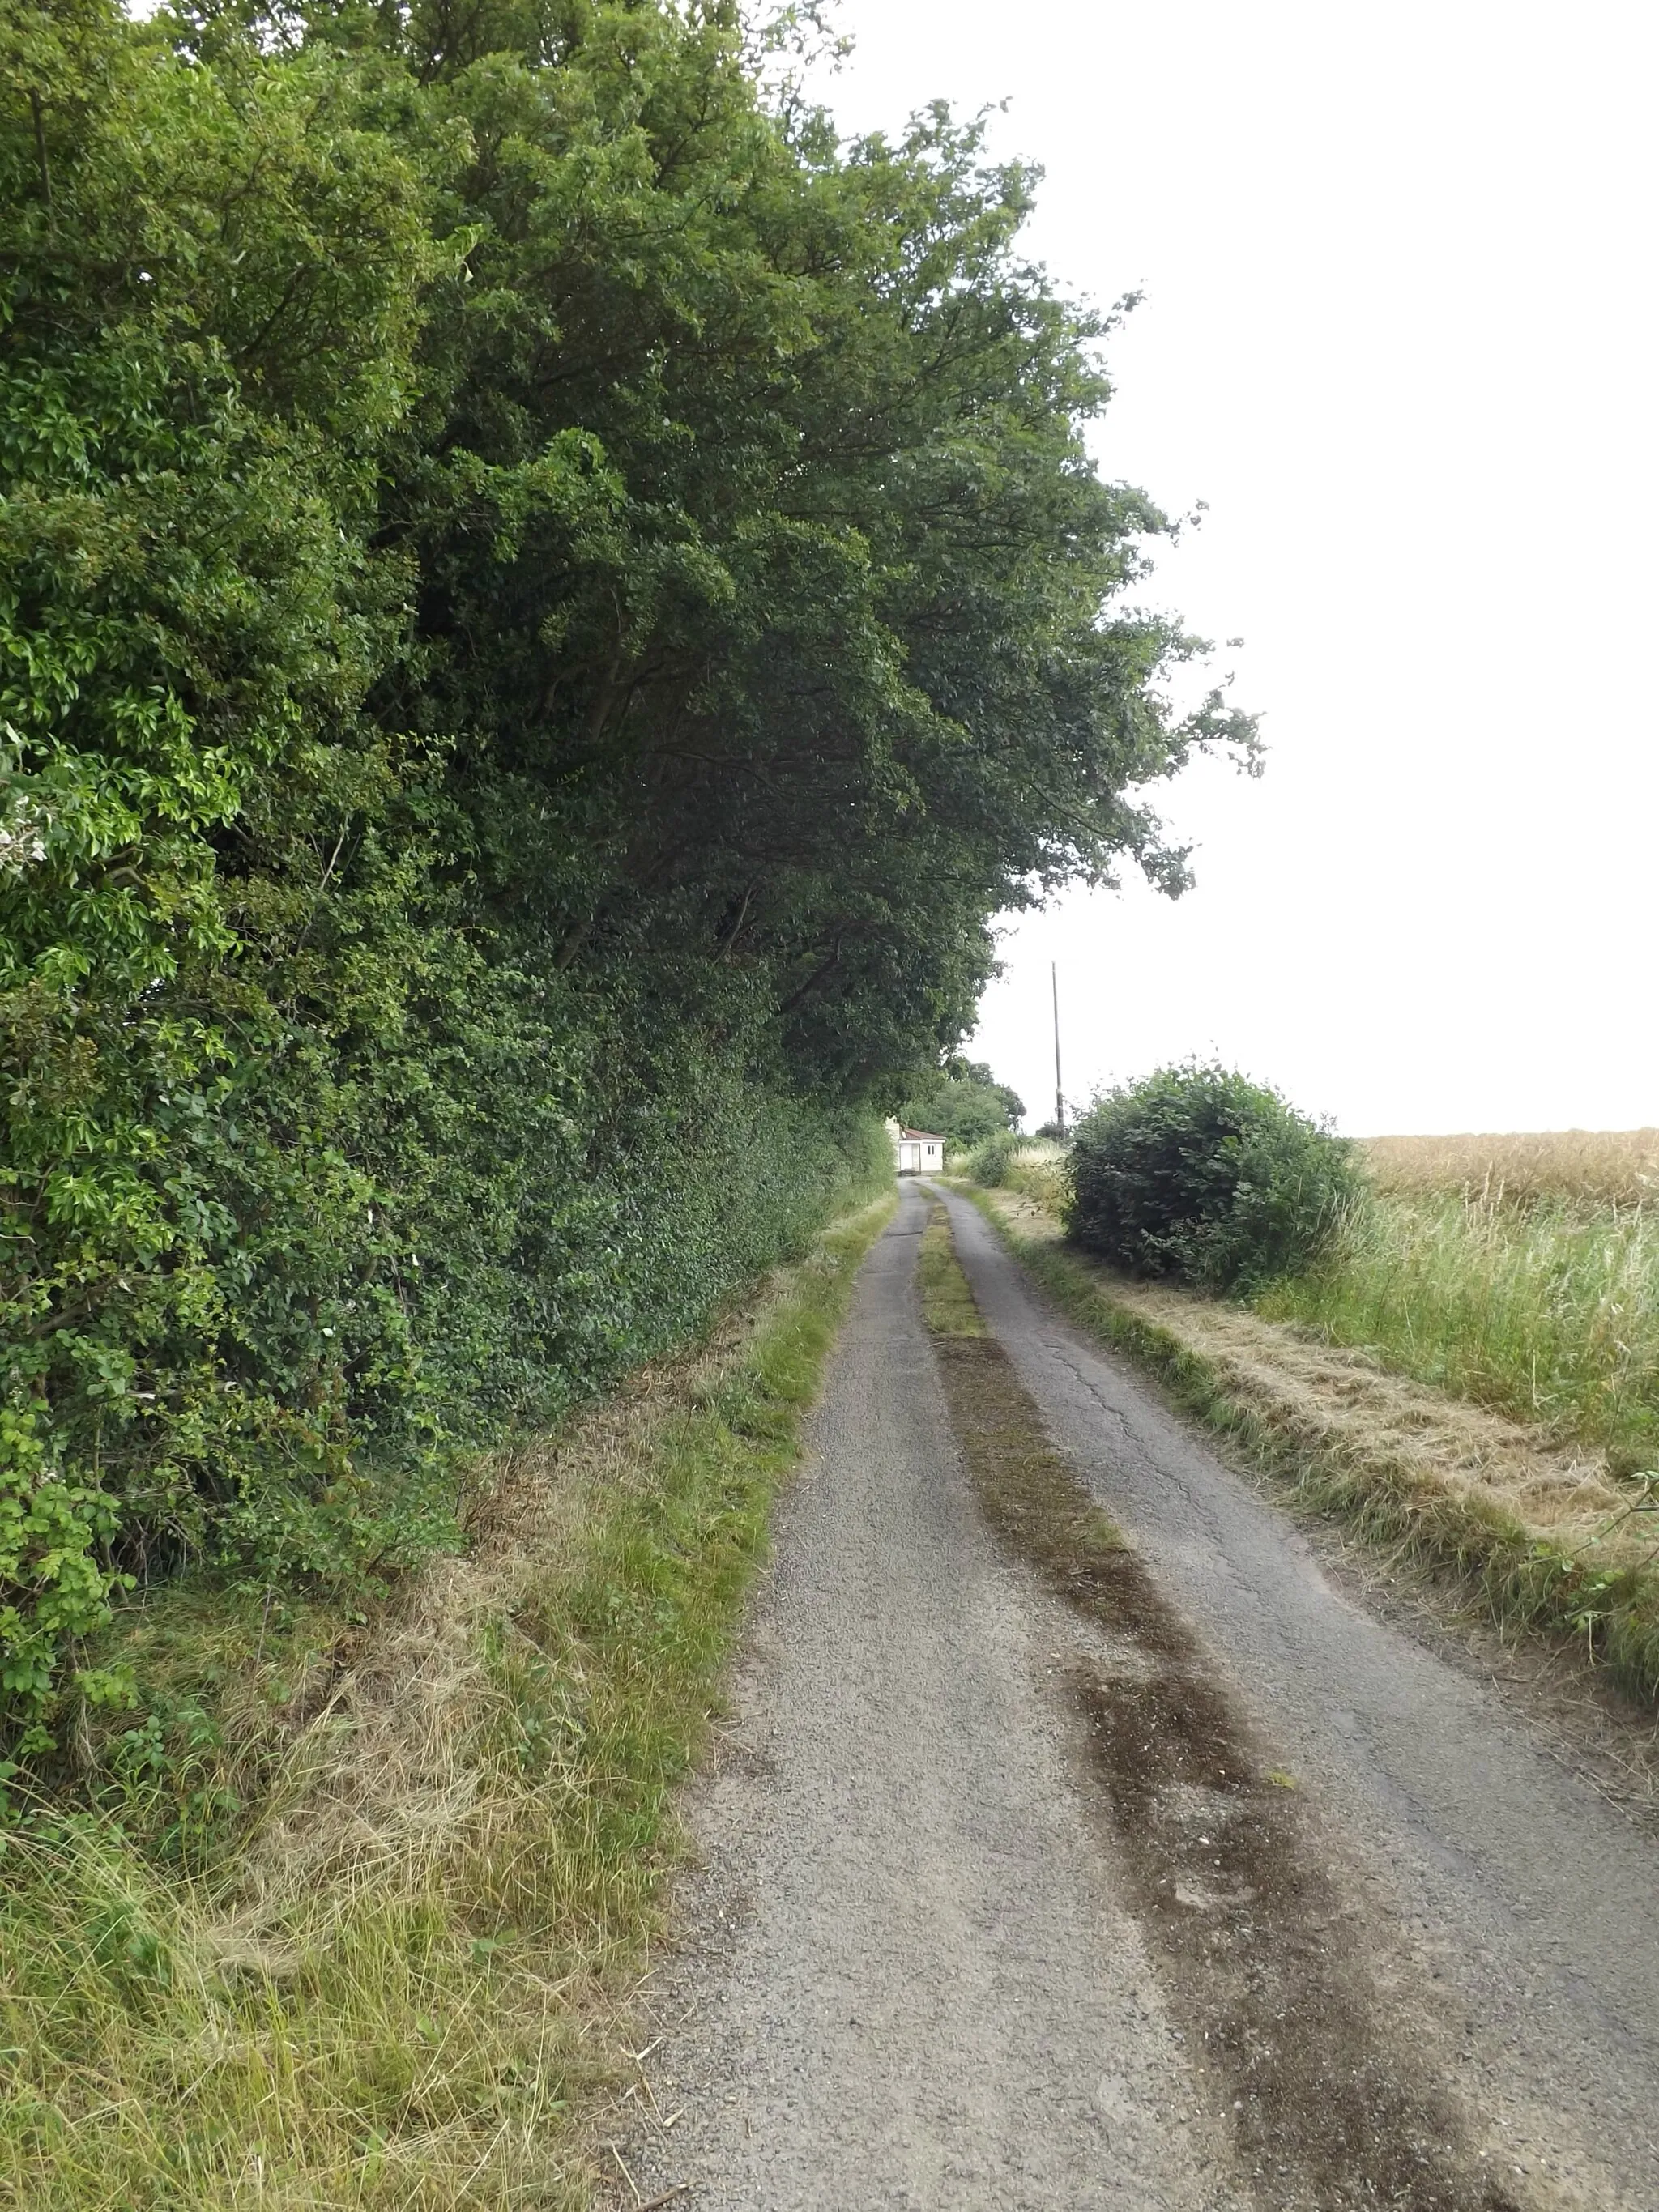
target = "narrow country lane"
x: 917, y: 1970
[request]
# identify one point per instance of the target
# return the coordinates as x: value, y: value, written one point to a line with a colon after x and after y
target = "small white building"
x: 918, y: 1150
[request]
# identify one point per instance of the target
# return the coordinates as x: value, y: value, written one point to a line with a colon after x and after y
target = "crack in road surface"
x: 921, y: 1967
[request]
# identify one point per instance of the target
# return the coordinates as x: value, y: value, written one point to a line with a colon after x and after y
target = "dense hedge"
x: 543, y: 601
x: 1200, y: 1174
x: 988, y: 1162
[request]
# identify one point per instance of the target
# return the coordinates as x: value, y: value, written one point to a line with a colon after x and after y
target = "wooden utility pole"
x: 1060, y: 1096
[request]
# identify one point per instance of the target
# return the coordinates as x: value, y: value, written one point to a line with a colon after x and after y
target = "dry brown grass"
x: 394, y: 1759
x: 1417, y: 1441
x: 1599, y: 1167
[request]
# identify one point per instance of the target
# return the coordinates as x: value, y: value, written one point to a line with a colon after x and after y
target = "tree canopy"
x: 544, y: 602
x: 964, y: 1101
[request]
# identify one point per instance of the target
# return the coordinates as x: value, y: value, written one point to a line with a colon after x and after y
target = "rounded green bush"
x: 988, y: 1162
x: 1199, y: 1173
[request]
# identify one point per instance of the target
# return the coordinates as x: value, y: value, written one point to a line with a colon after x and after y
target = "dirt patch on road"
x: 1331, y: 2105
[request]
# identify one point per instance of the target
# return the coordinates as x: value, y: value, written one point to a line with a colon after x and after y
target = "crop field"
x: 1521, y: 1271
x: 1596, y: 1167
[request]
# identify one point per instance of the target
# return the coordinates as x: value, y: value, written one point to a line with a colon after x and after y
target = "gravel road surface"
x: 912, y: 1972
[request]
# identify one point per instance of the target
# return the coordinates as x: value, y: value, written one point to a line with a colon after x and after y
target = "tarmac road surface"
x: 920, y: 1968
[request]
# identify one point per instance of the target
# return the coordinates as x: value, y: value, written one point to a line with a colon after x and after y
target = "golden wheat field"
x: 1603, y: 1167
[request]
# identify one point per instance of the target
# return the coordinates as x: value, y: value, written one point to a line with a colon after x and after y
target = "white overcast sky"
x: 1398, y: 331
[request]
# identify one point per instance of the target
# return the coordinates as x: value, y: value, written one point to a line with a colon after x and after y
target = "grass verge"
x: 1522, y: 1273
x: 393, y: 1993
x: 1544, y: 1539
x: 1545, y: 1308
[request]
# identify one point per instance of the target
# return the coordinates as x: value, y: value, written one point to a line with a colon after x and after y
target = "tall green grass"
x: 1548, y: 1311
x: 1005, y: 1161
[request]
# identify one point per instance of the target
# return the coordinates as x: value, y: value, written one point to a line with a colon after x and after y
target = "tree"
x: 964, y: 1102
x: 759, y: 546
x: 1201, y: 1174
x: 543, y: 606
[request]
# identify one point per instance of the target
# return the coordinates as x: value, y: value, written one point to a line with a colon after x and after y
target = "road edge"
x: 1475, y: 1576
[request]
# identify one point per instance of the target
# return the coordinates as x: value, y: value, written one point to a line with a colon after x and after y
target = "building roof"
x: 928, y: 1136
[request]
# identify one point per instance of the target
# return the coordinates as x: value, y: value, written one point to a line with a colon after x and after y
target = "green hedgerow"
x: 1200, y: 1174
